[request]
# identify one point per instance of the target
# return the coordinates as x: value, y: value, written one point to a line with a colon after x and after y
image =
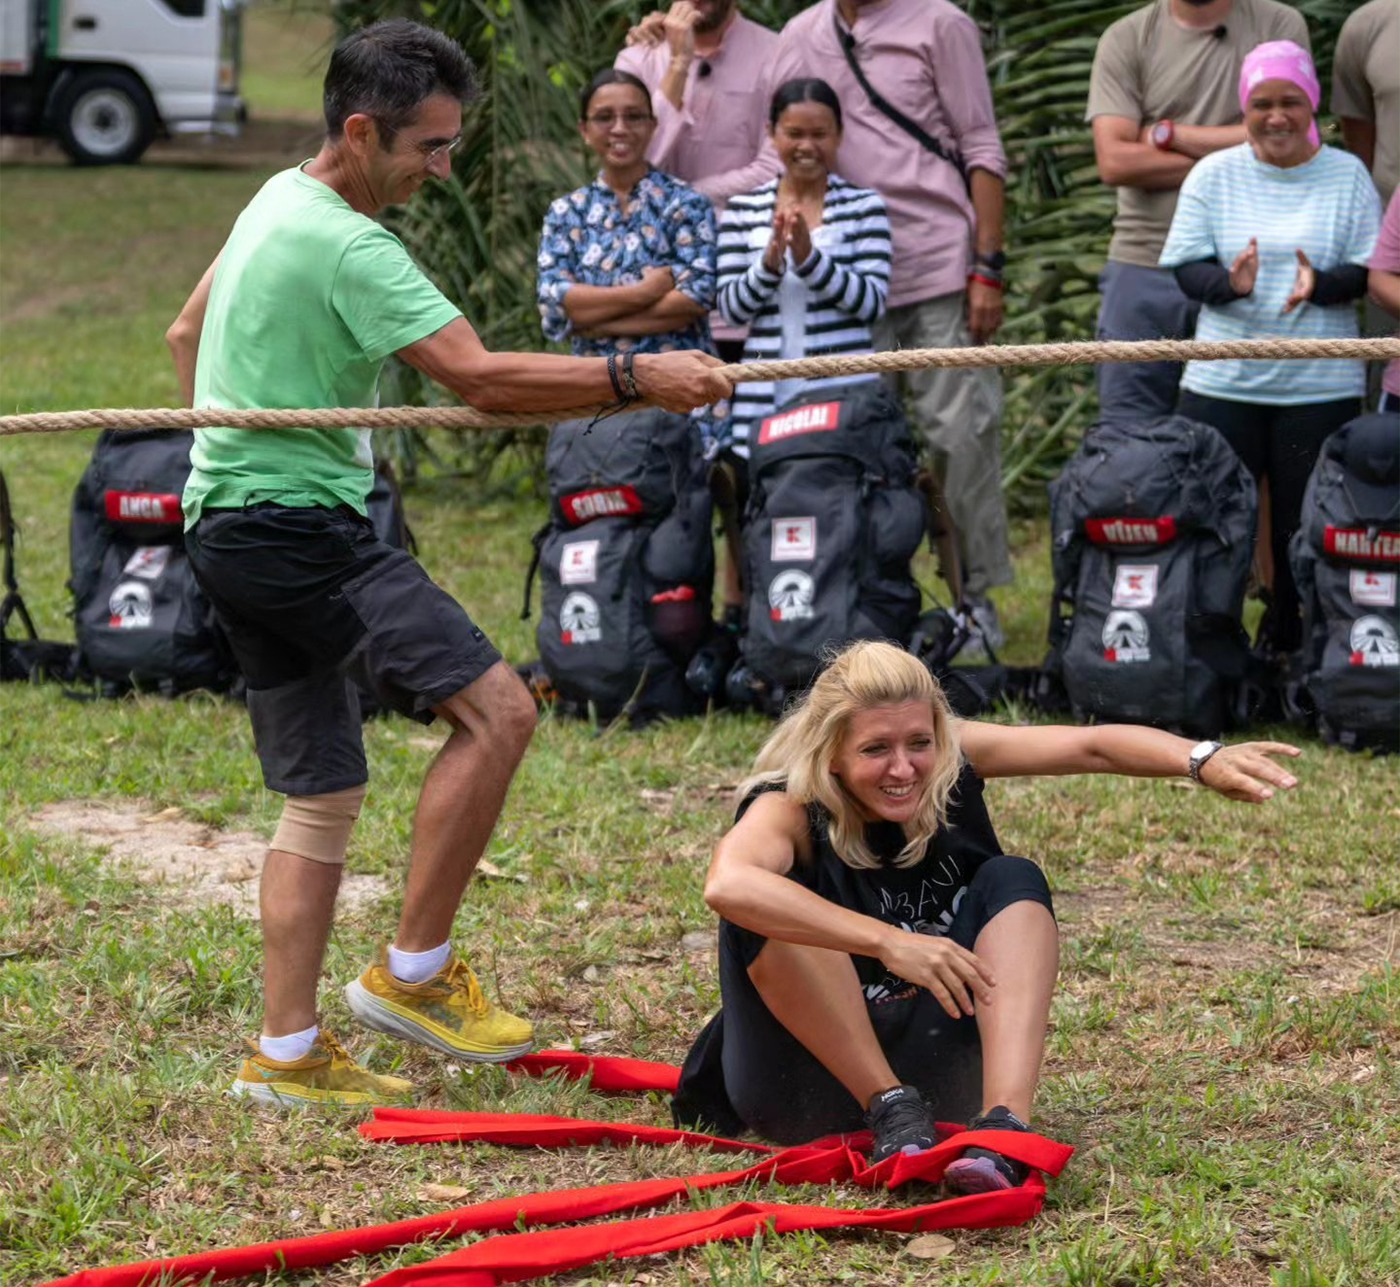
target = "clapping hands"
x: 790, y: 232
x: 1244, y: 272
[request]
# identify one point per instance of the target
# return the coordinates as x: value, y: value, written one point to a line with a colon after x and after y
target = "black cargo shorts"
x: 315, y: 603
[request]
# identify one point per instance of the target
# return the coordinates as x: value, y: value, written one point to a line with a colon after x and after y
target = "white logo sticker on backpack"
x: 790, y: 596
x: 1373, y: 589
x: 794, y: 539
x: 148, y: 561
x: 1135, y: 585
x: 578, y: 563
x: 1125, y: 637
x: 1374, y: 643
x: 579, y: 619
x: 130, y: 606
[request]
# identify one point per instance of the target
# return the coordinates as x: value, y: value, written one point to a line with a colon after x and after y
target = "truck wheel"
x: 105, y: 118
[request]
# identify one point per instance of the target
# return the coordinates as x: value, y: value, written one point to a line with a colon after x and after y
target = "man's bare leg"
x: 298, y: 903
x: 492, y: 720
x: 815, y: 994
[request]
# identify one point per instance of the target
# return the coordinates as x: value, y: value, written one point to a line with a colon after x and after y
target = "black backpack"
x: 140, y: 618
x: 1346, y: 561
x: 1153, y: 535
x: 626, y: 563
x: 833, y: 520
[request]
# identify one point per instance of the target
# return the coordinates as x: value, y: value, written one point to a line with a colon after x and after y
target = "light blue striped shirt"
x: 1328, y: 207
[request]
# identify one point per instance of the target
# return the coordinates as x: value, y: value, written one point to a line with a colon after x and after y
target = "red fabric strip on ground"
x: 609, y: 1072
x: 512, y: 1260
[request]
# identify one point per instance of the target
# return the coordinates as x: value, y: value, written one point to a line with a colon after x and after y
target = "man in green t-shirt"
x: 305, y: 301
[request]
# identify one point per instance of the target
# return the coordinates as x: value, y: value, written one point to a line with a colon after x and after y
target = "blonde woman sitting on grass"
x: 882, y: 962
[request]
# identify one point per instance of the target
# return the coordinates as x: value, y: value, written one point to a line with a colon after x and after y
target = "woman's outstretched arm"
x: 1245, y: 771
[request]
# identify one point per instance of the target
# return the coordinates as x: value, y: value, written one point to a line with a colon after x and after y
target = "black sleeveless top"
x: 922, y: 898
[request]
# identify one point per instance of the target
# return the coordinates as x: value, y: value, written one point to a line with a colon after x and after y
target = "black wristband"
x: 612, y: 375
x: 629, y: 380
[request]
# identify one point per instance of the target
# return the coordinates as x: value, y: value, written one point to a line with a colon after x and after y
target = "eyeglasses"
x: 430, y: 152
x: 632, y: 120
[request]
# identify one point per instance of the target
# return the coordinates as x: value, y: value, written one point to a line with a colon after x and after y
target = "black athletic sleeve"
x: 1339, y: 285
x: 1207, y: 281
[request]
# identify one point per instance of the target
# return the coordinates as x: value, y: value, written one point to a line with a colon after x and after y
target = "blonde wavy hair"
x: 799, y: 754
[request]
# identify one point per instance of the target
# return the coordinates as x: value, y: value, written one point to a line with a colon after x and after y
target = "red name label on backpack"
x: 601, y: 502
x: 817, y: 418
x: 144, y: 507
x: 1358, y: 543
x: 1130, y: 531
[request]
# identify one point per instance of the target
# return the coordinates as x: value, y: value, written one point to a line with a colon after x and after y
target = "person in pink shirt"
x: 1383, y: 285
x: 945, y: 195
x: 707, y: 67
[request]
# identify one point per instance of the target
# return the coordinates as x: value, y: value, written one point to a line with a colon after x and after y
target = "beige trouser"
x: 958, y: 413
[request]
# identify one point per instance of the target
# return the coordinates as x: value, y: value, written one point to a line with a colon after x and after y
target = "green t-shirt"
x: 308, y: 300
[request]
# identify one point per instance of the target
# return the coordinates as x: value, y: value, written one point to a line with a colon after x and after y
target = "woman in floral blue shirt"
x: 627, y: 261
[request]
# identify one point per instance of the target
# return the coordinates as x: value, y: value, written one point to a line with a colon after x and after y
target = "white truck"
x: 105, y: 77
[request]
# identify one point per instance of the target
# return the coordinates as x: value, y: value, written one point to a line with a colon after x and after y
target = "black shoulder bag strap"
x: 12, y: 603
x: 926, y: 140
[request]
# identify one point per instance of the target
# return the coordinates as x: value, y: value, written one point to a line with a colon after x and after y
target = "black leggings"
x: 1282, y: 445
x: 780, y: 1091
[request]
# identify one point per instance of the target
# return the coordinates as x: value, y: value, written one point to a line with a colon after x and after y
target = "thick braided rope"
x: 1071, y: 354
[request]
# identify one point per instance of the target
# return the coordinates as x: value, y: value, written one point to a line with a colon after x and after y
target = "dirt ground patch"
x: 196, y: 864
x: 261, y: 144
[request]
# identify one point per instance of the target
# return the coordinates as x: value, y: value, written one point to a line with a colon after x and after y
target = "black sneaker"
x: 980, y: 1170
x: 900, y: 1121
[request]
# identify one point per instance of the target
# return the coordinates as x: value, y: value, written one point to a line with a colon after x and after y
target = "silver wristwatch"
x: 1200, y: 753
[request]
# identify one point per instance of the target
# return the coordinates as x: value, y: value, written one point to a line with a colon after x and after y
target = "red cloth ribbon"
x: 517, y: 1257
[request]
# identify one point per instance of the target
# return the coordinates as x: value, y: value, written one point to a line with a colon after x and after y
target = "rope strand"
x: 457, y: 418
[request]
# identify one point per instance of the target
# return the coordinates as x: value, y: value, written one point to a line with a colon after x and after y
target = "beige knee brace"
x: 318, y: 826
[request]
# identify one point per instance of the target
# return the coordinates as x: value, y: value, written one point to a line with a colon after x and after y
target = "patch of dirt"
x: 196, y: 864
x: 262, y: 144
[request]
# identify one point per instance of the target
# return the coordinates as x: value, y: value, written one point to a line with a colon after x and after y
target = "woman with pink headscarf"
x: 1273, y: 237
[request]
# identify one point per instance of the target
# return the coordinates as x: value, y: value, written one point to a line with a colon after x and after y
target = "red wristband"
x: 994, y: 282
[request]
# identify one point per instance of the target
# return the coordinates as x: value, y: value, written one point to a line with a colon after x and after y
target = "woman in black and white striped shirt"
x: 804, y: 260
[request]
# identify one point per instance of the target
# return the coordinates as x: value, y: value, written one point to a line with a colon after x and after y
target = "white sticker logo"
x: 1373, y: 589
x: 794, y: 539
x: 130, y: 606
x: 578, y: 563
x: 148, y: 561
x: 1125, y: 637
x: 579, y: 619
x: 790, y: 596
x: 1374, y: 643
x: 1135, y: 585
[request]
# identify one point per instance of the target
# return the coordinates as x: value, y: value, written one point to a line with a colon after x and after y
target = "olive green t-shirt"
x: 308, y: 300
x: 1148, y: 67
x: 1366, y: 83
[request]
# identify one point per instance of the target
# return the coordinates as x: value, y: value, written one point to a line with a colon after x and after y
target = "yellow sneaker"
x: 449, y: 1012
x: 326, y: 1074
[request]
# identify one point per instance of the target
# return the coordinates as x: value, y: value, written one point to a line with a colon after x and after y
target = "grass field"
x: 1223, y: 1054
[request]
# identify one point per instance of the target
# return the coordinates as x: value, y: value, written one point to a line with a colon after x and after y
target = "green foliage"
x: 478, y: 234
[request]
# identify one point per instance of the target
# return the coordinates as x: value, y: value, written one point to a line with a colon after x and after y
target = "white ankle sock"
x: 417, y: 967
x: 288, y: 1049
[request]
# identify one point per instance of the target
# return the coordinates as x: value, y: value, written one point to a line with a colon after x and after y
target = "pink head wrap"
x: 1281, y: 60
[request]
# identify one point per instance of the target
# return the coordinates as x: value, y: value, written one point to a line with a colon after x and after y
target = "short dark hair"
x: 803, y: 89
x: 610, y: 76
x: 389, y: 69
